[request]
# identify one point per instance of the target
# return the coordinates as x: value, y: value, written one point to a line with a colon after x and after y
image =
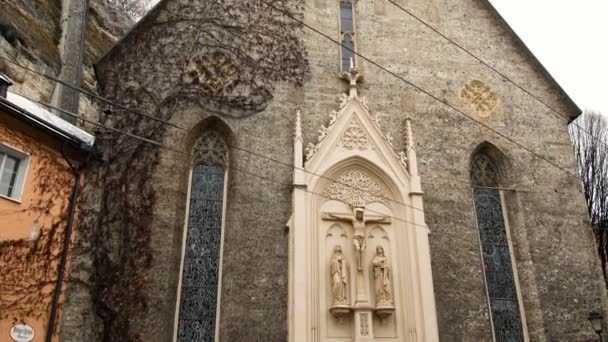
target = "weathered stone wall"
x: 555, y: 256
x: 560, y: 279
x: 182, y: 64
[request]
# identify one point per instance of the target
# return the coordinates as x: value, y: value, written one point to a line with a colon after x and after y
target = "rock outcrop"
x: 30, y: 34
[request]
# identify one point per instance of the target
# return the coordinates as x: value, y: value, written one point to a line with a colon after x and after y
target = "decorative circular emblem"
x: 480, y: 98
x: 215, y: 71
x: 22, y: 333
x: 354, y: 138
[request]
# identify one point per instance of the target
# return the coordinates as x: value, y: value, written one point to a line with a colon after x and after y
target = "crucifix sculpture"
x: 358, y: 219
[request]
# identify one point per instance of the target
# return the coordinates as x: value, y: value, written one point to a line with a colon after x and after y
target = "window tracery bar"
x: 496, y: 254
x: 347, y: 34
x: 200, y: 274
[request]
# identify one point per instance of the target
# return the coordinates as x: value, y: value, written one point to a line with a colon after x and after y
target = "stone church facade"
x: 314, y: 197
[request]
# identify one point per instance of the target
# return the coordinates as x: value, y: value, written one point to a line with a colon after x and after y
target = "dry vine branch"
x: 29, y: 267
x: 221, y: 55
x: 592, y: 158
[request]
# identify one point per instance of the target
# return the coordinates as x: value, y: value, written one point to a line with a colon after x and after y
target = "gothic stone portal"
x: 359, y: 254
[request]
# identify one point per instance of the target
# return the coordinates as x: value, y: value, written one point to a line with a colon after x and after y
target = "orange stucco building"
x: 42, y: 159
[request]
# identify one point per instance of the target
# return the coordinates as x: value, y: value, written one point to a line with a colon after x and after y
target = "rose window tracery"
x: 211, y: 149
x: 354, y: 138
x: 480, y: 98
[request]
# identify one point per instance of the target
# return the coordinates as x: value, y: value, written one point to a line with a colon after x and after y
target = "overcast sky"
x: 570, y: 38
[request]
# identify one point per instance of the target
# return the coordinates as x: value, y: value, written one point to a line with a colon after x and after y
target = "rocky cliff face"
x: 30, y: 33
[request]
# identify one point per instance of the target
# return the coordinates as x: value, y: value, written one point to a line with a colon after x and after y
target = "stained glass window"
x: 347, y: 32
x: 199, y: 288
x: 496, y: 254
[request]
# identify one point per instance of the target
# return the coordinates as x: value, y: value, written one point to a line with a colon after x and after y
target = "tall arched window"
x: 347, y: 34
x: 496, y: 250
x: 198, y: 296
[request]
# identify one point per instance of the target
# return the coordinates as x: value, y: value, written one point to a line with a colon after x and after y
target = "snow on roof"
x: 5, y: 79
x: 50, y: 119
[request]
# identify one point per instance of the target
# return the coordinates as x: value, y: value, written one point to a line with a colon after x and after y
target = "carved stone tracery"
x: 480, y: 98
x: 211, y: 149
x: 356, y: 188
x: 354, y: 137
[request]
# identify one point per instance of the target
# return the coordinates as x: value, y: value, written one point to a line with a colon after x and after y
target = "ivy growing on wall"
x: 29, y: 266
x: 218, y: 55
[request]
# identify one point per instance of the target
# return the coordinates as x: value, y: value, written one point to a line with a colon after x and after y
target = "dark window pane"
x: 198, y: 301
x: 346, y: 16
x: 347, y: 47
x: 8, y: 177
x: 500, y: 280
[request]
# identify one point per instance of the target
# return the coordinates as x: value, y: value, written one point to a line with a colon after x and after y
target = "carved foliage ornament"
x: 215, y: 71
x: 356, y: 188
x: 480, y: 98
x: 354, y: 137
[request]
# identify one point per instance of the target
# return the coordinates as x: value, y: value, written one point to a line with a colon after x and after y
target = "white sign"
x: 22, y: 333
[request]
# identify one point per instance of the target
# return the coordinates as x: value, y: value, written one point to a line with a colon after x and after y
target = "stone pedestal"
x: 384, y: 310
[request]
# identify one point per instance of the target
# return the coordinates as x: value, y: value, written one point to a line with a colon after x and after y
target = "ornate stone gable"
x: 359, y: 257
x: 354, y: 128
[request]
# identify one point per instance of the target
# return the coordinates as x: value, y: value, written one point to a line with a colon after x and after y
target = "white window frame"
x: 21, y: 172
x: 181, y: 267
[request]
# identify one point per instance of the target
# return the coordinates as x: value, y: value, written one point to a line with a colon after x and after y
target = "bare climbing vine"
x: 224, y: 56
x: 29, y: 266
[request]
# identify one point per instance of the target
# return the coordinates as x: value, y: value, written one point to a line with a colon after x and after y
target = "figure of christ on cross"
x: 358, y: 219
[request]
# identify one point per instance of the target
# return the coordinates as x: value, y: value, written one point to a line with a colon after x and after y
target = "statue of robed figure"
x: 382, y: 278
x: 339, y: 277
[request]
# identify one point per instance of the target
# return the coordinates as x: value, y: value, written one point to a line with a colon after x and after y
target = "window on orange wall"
x: 13, y: 167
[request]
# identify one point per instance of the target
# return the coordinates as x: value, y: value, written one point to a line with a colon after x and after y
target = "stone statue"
x: 358, y: 221
x: 339, y: 276
x: 382, y: 278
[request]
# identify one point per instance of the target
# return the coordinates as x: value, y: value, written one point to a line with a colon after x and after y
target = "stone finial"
x: 353, y: 77
x: 298, y: 132
x: 408, y: 133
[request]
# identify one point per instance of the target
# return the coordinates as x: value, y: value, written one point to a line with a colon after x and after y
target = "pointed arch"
x: 490, y: 166
x: 358, y: 179
x: 489, y: 169
x: 199, y: 292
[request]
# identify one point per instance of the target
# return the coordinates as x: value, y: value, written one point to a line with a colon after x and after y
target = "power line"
x: 153, y: 142
x: 453, y: 42
x: 489, y: 66
x: 88, y: 93
x: 257, y: 154
x: 444, y: 102
x: 229, y: 166
x: 287, y: 185
x: 422, y: 90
